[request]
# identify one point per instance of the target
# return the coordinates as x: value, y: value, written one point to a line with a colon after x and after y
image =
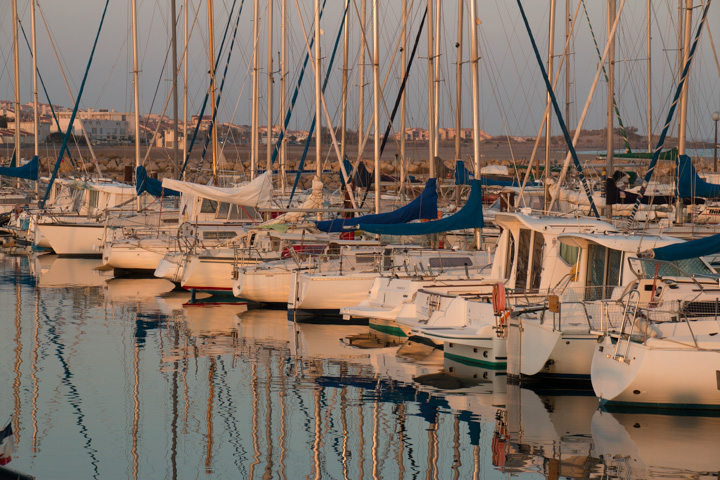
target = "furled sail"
x: 690, y: 184
x: 424, y: 207
x: 257, y: 193
x: 28, y: 171
x: 153, y: 186
x: 683, y: 251
x: 469, y: 216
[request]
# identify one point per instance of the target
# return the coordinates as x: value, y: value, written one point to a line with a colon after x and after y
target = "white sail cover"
x: 313, y: 201
x: 257, y: 193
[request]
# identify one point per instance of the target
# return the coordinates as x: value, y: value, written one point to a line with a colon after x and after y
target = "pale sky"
x: 512, y: 91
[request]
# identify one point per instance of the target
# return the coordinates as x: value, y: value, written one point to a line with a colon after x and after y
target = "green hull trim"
x: 390, y: 330
x: 477, y: 363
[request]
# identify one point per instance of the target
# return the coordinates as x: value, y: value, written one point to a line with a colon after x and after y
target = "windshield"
x: 677, y: 268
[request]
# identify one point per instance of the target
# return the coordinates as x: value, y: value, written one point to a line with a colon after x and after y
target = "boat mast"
x: 612, y: 9
x: 649, y: 81
x: 684, y: 96
x: 361, y: 94
x: 403, y: 61
x: 283, y: 93
x: 474, y: 64
x: 136, y: 91
x: 318, y: 98
x: 343, y: 119
x: 551, y: 48
x: 16, y: 63
x: 458, y: 80
x: 567, y: 61
x: 270, y: 91
x: 173, y: 32
x: 185, y: 84
x: 255, y: 82
x: 431, y: 92
x: 376, y: 103
x: 436, y: 118
x: 211, y: 41
x: 36, y: 118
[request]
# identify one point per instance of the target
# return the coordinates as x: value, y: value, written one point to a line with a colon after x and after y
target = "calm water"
x: 115, y: 378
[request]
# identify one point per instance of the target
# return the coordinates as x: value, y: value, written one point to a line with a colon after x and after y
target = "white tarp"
x: 313, y: 201
x: 494, y: 170
x: 255, y: 194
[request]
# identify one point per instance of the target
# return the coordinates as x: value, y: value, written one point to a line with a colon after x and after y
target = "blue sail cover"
x: 28, y: 171
x: 154, y: 187
x: 686, y: 250
x: 469, y: 216
x: 424, y: 207
x: 690, y: 184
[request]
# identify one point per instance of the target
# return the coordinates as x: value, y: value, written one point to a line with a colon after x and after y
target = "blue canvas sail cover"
x: 154, y: 187
x: 690, y: 184
x: 686, y: 250
x: 469, y: 216
x: 28, y: 171
x: 424, y: 207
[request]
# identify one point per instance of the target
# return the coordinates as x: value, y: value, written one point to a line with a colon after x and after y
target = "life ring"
x: 498, y: 298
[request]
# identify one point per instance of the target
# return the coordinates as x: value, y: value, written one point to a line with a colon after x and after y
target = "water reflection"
x: 647, y: 445
x: 120, y: 378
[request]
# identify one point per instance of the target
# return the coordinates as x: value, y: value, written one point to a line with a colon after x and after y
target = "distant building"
x: 167, y: 140
x: 101, y: 125
x: 444, y: 134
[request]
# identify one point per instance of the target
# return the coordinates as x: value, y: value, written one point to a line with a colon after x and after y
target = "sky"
x: 512, y: 92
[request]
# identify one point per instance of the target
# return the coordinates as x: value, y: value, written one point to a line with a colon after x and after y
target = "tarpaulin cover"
x: 153, y: 186
x: 424, y: 207
x: 28, y: 171
x: 469, y: 216
x: 463, y: 176
x: 617, y: 196
x: 257, y: 193
x: 692, y: 249
x: 690, y: 184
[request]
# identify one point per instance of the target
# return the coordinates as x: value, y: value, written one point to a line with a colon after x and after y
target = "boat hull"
x: 656, y: 374
x: 74, y: 239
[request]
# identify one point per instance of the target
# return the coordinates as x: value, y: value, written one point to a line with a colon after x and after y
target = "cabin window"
x: 604, y: 271
x: 510, y: 255
x: 447, y: 262
x: 239, y: 212
x: 569, y: 254
x: 208, y: 206
x: 222, y: 210
x: 523, y: 259
x: 93, y: 197
x: 220, y: 235
x: 537, y: 260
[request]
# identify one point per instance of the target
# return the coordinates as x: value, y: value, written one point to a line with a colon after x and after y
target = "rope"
x: 222, y: 85
x: 207, y: 94
x: 75, y: 110
x: 52, y: 109
x: 671, y: 112
x: 312, y: 125
x: 558, y: 113
x: 607, y: 80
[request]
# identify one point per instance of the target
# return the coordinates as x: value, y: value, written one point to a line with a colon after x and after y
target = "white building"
x: 102, y: 125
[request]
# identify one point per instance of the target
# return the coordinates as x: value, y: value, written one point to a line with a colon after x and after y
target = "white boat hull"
x: 135, y: 254
x: 74, y: 239
x: 263, y: 286
x: 331, y: 292
x: 658, y: 373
